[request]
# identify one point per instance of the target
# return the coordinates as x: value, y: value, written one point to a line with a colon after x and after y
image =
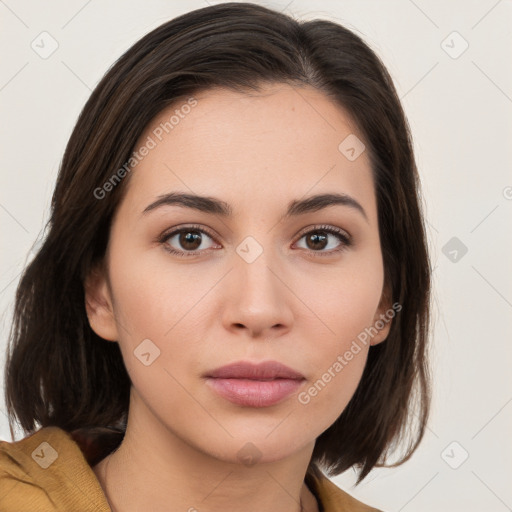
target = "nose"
x: 259, y: 299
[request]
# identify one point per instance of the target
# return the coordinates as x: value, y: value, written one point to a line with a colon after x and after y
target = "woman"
x: 232, y: 300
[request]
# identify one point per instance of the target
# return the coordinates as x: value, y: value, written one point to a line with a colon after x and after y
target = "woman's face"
x: 254, y: 285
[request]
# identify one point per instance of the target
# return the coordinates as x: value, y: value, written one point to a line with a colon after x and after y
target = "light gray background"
x: 459, y: 108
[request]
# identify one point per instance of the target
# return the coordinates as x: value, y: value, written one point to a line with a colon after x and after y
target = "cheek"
x: 155, y: 302
x: 151, y: 296
x: 344, y: 300
x: 337, y: 361
x: 345, y: 306
x: 329, y: 393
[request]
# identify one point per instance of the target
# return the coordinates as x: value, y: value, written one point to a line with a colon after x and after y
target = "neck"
x: 171, y: 475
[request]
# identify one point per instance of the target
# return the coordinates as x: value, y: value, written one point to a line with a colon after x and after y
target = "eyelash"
x: 345, y: 240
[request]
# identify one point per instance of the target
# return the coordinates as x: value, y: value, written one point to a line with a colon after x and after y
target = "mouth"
x: 254, y: 385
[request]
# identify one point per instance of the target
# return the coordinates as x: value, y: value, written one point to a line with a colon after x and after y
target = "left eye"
x: 319, y: 237
x: 190, y: 239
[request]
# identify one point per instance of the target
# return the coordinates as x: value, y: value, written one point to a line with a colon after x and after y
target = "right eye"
x: 189, y: 238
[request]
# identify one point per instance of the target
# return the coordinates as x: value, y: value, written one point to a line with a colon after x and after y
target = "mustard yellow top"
x: 48, y: 471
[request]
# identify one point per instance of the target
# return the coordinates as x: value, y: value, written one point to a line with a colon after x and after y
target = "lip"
x: 254, y: 385
x: 266, y: 370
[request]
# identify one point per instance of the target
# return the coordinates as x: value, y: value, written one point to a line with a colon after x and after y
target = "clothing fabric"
x: 51, y: 470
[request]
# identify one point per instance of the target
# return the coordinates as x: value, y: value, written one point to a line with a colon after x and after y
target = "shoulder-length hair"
x: 59, y: 372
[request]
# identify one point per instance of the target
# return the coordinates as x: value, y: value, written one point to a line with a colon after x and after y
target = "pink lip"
x: 255, y: 385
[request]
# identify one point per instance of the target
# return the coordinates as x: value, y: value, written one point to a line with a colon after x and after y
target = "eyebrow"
x: 216, y: 206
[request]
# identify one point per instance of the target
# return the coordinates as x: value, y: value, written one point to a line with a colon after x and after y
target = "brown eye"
x: 187, y: 241
x: 318, y: 239
x: 190, y: 240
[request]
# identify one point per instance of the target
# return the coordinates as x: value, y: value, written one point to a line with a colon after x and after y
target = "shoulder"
x: 334, y: 499
x: 46, y: 471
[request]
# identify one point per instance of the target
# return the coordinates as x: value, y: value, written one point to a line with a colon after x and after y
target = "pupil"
x: 189, y: 238
x: 315, y: 238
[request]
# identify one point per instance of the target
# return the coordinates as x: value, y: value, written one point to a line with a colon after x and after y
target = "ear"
x: 98, y: 304
x: 383, y: 317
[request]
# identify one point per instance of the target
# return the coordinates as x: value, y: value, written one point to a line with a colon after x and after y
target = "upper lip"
x: 267, y: 370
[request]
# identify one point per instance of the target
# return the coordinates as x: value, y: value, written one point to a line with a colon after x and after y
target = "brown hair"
x: 59, y: 372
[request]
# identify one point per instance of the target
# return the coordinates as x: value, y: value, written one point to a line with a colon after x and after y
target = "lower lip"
x: 254, y: 393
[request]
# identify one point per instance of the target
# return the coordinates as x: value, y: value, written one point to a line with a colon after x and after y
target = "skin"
x: 257, y: 152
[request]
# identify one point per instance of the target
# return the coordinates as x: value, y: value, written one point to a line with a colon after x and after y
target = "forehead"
x: 282, y: 142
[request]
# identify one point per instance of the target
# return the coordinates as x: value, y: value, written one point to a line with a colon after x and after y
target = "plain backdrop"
x: 451, y: 65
